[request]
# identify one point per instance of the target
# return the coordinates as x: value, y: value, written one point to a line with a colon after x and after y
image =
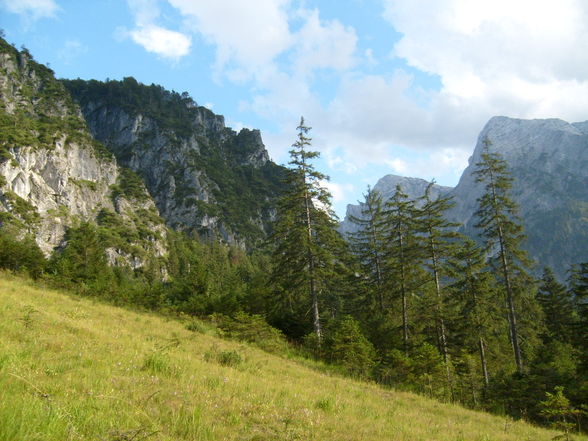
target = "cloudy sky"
x: 389, y: 86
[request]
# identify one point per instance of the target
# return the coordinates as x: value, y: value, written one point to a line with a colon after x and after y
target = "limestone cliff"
x: 203, y: 176
x: 54, y: 175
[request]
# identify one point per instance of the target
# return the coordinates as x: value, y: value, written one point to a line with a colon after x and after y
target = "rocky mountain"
x: 53, y: 174
x: 548, y: 159
x: 203, y: 176
x: 386, y: 186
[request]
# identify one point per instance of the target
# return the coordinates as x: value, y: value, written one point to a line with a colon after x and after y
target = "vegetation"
x: 65, y: 375
x: 413, y: 307
x: 240, y: 191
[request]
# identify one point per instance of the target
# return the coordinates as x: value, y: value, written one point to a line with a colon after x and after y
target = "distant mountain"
x: 548, y: 160
x: 203, y: 176
x: 386, y: 186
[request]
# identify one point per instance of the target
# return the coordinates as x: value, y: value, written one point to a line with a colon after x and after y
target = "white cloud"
x: 153, y: 38
x: 31, y: 9
x: 161, y: 41
x: 322, y: 45
x: 523, y: 58
x: 339, y: 192
x: 250, y: 34
x: 397, y: 165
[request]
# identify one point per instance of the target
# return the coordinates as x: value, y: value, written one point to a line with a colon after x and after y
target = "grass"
x: 75, y: 369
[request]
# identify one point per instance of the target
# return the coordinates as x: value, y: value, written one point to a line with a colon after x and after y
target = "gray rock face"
x: 386, y: 186
x: 203, y: 176
x: 548, y: 159
x: 49, y: 183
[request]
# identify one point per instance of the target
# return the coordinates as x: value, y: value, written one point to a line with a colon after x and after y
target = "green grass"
x: 75, y: 369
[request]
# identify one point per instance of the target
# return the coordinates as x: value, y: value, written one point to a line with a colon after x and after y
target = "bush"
x: 345, y: 344
x: 21, y: 255
x: 252, y: 329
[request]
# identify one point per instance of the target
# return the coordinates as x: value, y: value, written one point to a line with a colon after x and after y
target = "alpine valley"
x: 162, y: 278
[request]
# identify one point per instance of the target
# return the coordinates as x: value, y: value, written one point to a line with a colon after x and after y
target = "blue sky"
x: 389, y: 86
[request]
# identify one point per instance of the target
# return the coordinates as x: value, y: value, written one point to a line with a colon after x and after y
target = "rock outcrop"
x: 53, y: 175
x: 548, y: 160
x: 386, y: 186
x: 203, y: 176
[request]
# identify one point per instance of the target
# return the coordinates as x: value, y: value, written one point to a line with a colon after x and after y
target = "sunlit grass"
x: 74, y: 369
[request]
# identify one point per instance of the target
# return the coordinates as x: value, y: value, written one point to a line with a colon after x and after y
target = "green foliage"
x: 229, y: 358
x: 252, y: 329
x: 130, y: 185
x: 346, y: 345
x: 21, y: 255
x: 557, y: 304
x: 307, y: 246
x: 556, y: 409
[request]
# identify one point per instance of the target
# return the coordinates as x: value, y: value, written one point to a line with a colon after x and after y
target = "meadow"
x: 73, y: 368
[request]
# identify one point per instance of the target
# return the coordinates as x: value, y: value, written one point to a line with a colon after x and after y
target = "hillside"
x: 203, y: 176
x: 75, y: 369
x: 54, y: 175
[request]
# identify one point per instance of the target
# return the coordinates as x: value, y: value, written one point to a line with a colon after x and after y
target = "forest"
x: 405, y: 301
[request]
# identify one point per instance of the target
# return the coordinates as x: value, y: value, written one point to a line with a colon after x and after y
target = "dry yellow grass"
x: 74, y: 369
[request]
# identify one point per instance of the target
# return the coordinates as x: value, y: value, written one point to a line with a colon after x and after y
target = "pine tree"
x: 306, y: 241
x: 403, y: 252
x: 368, y: 243
x: 558, y: 307
x: 503, y: 233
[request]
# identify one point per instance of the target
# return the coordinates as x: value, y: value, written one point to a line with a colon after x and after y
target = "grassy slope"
x: 73, y: 369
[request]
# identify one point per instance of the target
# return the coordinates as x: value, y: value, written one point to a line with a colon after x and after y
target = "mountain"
x: 54, y: 175
x: 548, y: 159
x: 203, y: 176
x: 386, y: 186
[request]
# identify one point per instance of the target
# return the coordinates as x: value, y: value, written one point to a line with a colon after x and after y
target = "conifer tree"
x: 403, y: 252
x: 557, y: 305
x: 477, y: 310
x: 306, y: 241
x: 368, y: 243
x: 502, y: 231
x: 438, y: 246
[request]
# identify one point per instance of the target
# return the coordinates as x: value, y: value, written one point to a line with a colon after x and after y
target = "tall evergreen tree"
x: 438, y: 246
x: 557, y: 304
x: 477, y: 309
x: 503, y: 233
x: 305, y: 236
x: 403, y: 252
x: 368, y: 244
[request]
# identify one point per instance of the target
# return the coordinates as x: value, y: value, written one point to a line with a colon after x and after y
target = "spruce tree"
x: 305, y: 236
x: 476, y: 308
x: 438, y: 246
x: 502, y: 231
x: 403, y: 252
x: 557, y: 304
x: 368, y: 244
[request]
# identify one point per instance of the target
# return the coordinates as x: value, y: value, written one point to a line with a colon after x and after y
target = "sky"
x: 388, y: 86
